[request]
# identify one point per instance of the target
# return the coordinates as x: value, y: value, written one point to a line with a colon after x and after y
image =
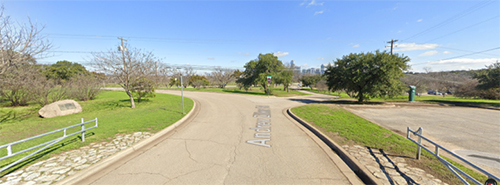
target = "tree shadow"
x: 334, y: 101
x: 244, y: 92
x: 408, y: 179
x: 41, y: 154
x: 483, y: 105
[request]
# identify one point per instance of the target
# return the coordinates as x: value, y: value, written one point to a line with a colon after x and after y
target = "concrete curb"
x: 364, y: 174
x: 103, y: 167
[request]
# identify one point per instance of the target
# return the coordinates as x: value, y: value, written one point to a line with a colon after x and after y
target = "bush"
x: 84, y: 87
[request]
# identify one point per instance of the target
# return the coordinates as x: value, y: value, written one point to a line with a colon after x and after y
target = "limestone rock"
x: 60, y: 108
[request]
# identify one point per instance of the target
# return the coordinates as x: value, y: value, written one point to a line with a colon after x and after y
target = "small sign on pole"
x: 269, y: 78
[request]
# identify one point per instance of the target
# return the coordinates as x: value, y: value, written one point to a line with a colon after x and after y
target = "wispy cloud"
x: 244, y: 54
x: 280, y: 54
x: 413, y: 46
x: 447, y: 52
x: 314, y: 3
x: 355, y: 46
x: 320, y: 58
x: 483, y: 61
x: 420, y: 20
x: 428, y: 53
x: 318, y: 12
x: 399, y: 31
x: 211, y: 58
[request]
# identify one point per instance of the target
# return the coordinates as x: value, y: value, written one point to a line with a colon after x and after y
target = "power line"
x: 462, y: 55
x: 464, y: 28
x: 472, y: 53
x: 454, y: 18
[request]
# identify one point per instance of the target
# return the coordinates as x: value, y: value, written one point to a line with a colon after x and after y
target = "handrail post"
x: 9, y: 150
x: 407, y: 132
x: 437, y: 151
x: 419, y: 150
x: 83, y: 132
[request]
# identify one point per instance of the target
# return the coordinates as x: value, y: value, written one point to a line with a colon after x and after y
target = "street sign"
x: 269, y: 78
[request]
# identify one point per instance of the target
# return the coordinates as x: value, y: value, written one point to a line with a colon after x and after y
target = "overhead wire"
x: 470, y: 10
x: 461, y: 56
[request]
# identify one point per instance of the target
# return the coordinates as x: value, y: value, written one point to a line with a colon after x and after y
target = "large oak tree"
x: 368, y: 75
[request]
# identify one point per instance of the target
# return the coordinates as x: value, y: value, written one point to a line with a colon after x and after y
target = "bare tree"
x: 19, y: 84
x: 186, y: 75
x: 222, y: 76
x: 127, y: 66
x: 20, y: 43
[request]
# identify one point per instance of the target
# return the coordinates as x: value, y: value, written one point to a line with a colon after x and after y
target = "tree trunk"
x: 132, y: 103
x: 360, y: 99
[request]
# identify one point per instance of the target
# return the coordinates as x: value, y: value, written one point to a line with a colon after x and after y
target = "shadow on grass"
x: 41, y: 154
x: 244, y: 92
x: 484, y: 105
x: 330, y: 101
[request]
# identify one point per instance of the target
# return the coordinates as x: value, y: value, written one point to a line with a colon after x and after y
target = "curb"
x: 360, y: 170
x: 96, y: 171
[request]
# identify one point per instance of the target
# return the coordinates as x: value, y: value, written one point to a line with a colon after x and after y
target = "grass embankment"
x: 345, y: 127
x: 448, y: 99
x: 112, y: 108
x: 278, y: 92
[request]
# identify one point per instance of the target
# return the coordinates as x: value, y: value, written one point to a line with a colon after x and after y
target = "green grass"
x: 112, y: 108
x: 254, y: 91
x: 448, y: 99
x: 345, y: 127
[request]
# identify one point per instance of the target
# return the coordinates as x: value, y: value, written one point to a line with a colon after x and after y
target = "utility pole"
x: 392, y: 44
x: 122, y: 48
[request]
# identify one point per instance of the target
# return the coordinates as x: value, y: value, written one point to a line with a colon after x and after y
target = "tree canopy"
x: 256, y: 71
x: 64, y: 70
x: 368, y: 74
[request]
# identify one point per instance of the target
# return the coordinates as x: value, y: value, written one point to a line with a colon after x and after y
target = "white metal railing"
x: 45, y: 145
x: 450, y: 166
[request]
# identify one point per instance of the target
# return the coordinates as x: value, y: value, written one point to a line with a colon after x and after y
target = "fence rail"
x: 450, y: 166
x: 45, y: 145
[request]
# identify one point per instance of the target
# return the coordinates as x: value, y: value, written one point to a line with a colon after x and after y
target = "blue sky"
x: 228, y: 33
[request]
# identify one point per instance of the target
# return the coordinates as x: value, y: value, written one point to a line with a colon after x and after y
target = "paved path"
x: 473, y: 133
x: 213, y: 148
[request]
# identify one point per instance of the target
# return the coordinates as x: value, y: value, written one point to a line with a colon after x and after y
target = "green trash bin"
x: 412, y: 93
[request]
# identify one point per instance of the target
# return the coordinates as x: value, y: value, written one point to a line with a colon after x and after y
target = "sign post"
x: 269, y: 82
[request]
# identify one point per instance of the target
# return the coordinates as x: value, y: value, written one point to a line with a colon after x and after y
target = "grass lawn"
x: 254, y: 91
x: 448, y: 99
x: 112, y: 108
x: 345, y: 127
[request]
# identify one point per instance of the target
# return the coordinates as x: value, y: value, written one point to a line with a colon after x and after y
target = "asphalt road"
x: 473, y: 133
x: 232, y: 141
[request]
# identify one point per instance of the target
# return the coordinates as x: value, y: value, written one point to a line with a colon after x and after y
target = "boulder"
x: 60, y: 108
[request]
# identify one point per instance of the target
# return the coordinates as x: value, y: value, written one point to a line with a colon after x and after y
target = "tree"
x: 368, y: 74
x: 221, y: 76
x: 127, y: 67
x: 85, y: 87
x: 197, y: 81
x: 20, y: 84
x: 257, y: 70
x: 310, y: 80
x: 20, y: 44
x: 186, y: 75
x: 143, y: 88
x: 64, y: 70
x: 489, y: 81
